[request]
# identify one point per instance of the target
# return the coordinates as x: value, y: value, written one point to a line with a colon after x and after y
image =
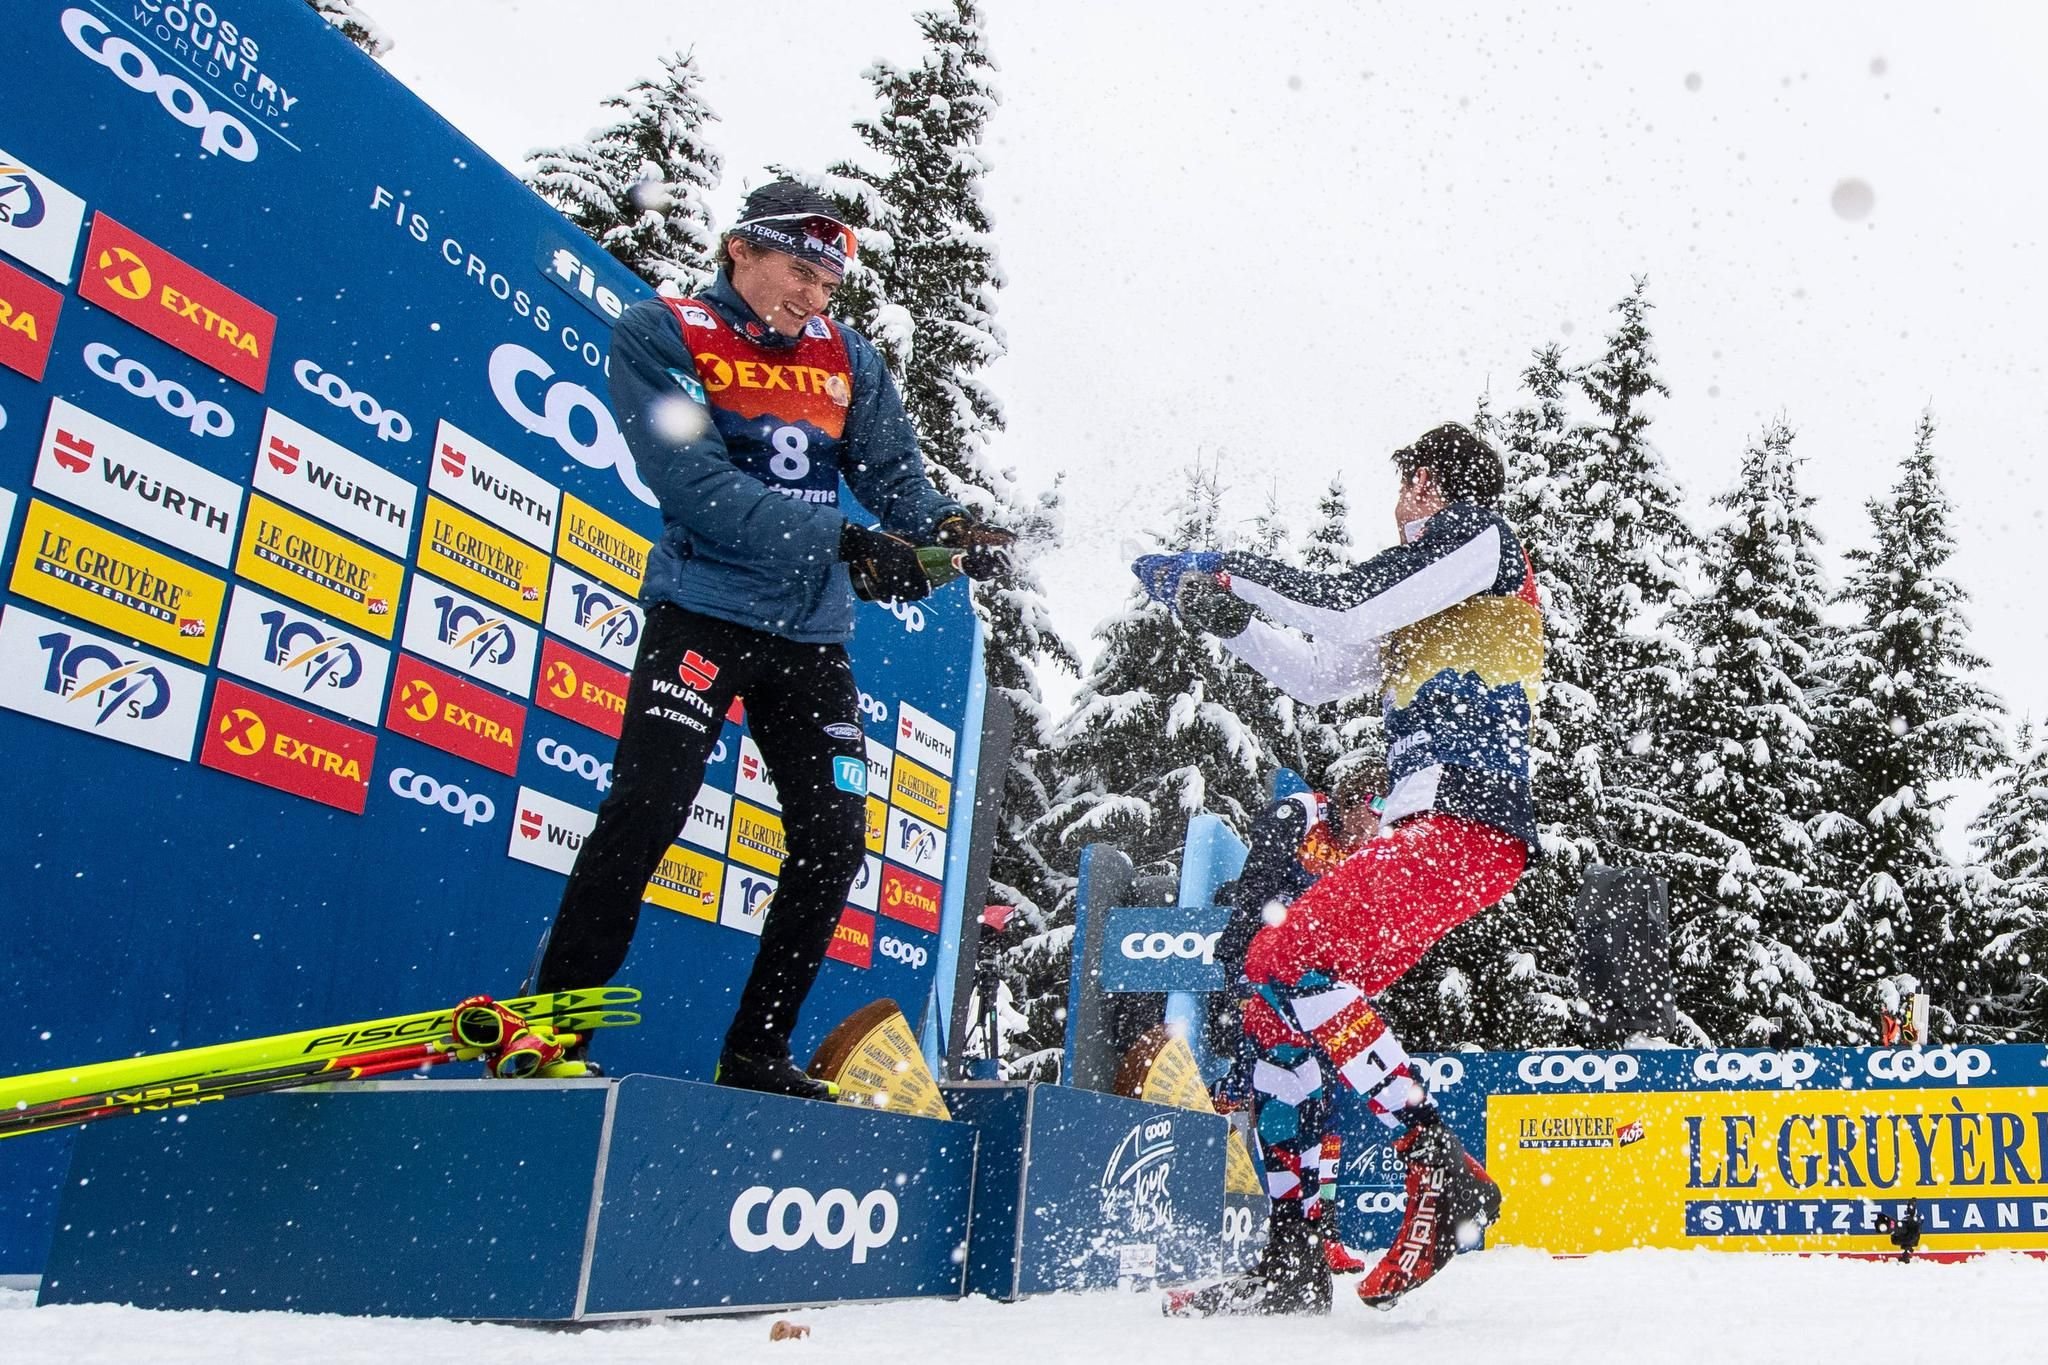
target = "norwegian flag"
x: 72, y: 452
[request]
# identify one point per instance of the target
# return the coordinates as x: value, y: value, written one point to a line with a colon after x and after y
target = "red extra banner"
x: 582, y: 689
x: 28, y: 322
x: 455, y: 716
x: 853, y: 942
x: 134, y: 278
x: 266, y: 741
x: 910, y: 898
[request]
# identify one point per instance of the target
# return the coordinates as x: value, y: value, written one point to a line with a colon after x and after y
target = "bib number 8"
x: 791, y: 460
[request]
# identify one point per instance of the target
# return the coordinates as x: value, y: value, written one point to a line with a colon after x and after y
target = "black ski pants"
x: 803, y: 710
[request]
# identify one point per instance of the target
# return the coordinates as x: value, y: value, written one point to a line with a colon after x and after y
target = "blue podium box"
x: 1080, y: 1190
x: 562, y: 1201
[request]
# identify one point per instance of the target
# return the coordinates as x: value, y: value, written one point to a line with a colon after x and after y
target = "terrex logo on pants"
x: 765, y: 1219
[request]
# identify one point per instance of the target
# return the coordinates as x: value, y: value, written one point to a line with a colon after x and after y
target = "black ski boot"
x: 1292, y: 1276
x: 1451, y: 1201
x: 770, y: 1073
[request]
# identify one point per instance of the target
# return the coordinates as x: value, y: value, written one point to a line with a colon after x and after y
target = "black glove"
x: 1204, y: 604
x: 883, y: 568
x: 987, y: 547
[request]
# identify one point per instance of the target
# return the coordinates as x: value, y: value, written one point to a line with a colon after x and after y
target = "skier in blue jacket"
x: 744, y: 408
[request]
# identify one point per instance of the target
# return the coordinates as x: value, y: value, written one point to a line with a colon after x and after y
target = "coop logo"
x: 1440, y: 1073
x: 140, y: 282
x: 767, y: 1219
x: 1134, y: 1181
x: 219, y: 132
x: 1159, y: 947
x: 563, y: 409
x: 909, y: 613
x: 1938, y: 1064
x: 1237, y: 1225
x: 475, y: 809
x: 1381, y: 1201
x: 911, y: 955
x: 202, y: 416
x: 388, y: 423
x: 1587, y: 1068
x: 1784, y: 1069
x: 872, y: 709
x: 556, y: 754
x: 108, y: 685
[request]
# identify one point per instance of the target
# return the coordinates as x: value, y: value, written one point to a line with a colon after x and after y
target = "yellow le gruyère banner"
x: 1798, y: 1170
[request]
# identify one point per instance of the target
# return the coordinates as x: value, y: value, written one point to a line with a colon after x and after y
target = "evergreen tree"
x: 356, y: 26
x: 1744, y: 898
x: 639, y: 185
x: 1905, y: 712
x: 2010, y: 837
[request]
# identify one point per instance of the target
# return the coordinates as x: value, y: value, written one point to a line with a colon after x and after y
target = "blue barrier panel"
x: 341, y: 768
x: 1107, y: 1189
x: 1164, y: 948
x: 535, y: 1201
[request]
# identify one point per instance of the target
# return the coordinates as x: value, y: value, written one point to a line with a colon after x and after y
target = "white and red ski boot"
x: 1451, y: 1200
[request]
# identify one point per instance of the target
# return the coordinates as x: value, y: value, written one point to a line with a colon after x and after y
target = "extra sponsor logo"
x: 220, y: 132
x: 756, y: 837
x: 474, y: 638
x: 308, y: 563
x: 917, y: 842
x: 559, y: 410
x: 69, y: 563
x: 921, y: 791
x: 766, y: 1219
x: 87, y: 460
x: 296, y: 464
x: 548, y: 833
x: 1161, y: 946
x: 924, y: 739
x: 484, y: 560
x: 1786, y: 1070
x: 748, y: 896
x: 455, y: 716
x: 579, y: 688
x: 69, y: 675
x: 1578, y: 1068
x: 39, y: 219
x: 495, y: 487
x: 1135, y: 1178
x: 136, y: 280
x: 594, y: 616
x: 866, y: 892
x: 594, y: 542
x: 202, y: 417
x: 910, y: 898
x: 266, y: 741
x: 687, y: 882
x: 389, y: 423
x: 911, y: 955
x: 307, y: 659
x: 475, y: 808
x: 589, y: 767
x: 710, y: 822
x: 1958, y: 1066
x: 853, y: 940
x: 28, y: 322
x: 751, y: 778
x: 720, y: 374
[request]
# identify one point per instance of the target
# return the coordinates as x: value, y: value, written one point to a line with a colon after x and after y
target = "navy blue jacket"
x: 730, y: 546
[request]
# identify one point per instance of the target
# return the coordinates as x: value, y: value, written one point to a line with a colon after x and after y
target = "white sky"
x: 1293, y: 236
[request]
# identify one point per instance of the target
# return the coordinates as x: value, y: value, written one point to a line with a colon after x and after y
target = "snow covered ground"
x: 1644, y: 1307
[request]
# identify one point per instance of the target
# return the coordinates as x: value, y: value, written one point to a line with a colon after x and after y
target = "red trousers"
x: 1373, y: 917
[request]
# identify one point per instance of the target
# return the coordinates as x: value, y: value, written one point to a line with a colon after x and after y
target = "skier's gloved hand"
x: 986, y: 548
x: 1203, y: 603
x: 883, y: 568
x: 1161, y: 574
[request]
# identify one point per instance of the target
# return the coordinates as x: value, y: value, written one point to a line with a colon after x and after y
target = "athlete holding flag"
x: 1447, y: 626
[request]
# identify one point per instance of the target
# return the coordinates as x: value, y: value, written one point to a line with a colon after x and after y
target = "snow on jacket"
x: 747, y: 536
x: 1449, y: 627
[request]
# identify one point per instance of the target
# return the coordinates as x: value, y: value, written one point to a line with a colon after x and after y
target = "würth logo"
x: 530, y: 823
x: 452, y: 460
x: 73, y: 452
x: 696, y: 670
x: 283, y: 458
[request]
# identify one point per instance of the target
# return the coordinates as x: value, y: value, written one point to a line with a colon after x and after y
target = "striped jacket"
x: 1448, y: 628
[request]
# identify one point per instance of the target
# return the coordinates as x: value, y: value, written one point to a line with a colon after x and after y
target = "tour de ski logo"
x: 1134, y: 1181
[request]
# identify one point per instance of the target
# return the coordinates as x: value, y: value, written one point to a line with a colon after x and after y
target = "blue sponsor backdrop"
x: 151, y: 902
